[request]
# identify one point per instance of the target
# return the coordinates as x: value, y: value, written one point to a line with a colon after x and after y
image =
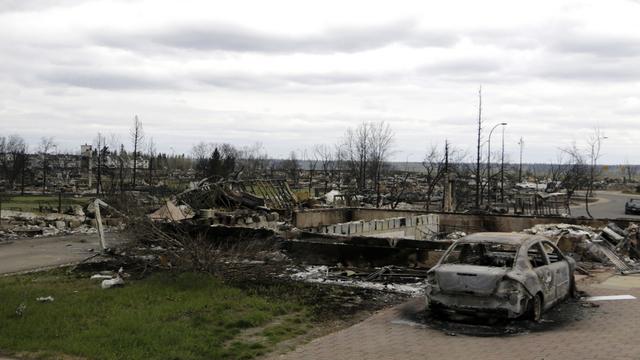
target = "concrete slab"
x: 620, y: 282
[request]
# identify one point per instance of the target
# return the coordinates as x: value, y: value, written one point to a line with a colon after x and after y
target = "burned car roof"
x: 501, y: 238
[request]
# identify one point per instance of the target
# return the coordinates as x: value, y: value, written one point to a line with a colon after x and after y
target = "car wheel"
x: 436, y: 311
x: 573, y: 290
x: 536, y: 308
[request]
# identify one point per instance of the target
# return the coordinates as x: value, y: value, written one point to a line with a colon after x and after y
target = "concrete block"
x: 353, y: 228
x: 75, y: 223
x: 207, y: 213
x: 113, y: 221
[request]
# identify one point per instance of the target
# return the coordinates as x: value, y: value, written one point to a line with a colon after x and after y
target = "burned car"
x: 514, y: 275
x: 632, y: 206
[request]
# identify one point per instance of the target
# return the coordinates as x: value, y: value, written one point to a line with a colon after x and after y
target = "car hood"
x: 470, y: 279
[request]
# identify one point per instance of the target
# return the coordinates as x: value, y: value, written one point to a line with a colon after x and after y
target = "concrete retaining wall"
x: 447, y: 221
x: 420, y: 227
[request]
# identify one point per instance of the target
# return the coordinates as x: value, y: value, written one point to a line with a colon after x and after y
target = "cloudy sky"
x: 290, y: 74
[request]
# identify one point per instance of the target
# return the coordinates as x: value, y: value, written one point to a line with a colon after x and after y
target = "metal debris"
x: 610, y: 297
x: 325, y: 275
x: 115, y: 282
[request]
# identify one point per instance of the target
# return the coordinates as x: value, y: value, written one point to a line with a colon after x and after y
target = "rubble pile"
x: 76, y: 220
x: 241, y: 217
x: 455, y: 235
x: 388, y: 278
x: 609, y: 246
x: 266, y: 195
x: 257, y: 204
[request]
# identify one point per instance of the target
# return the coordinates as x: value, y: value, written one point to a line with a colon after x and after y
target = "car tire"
x: 536, y: 308
x: 436, y: 311
x: 573, y: 290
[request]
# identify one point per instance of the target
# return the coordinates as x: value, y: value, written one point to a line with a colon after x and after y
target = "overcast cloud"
x: 291, y: 74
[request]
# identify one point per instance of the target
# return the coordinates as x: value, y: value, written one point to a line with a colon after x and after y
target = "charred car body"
x: 632, y: 206
x: 508, y: 274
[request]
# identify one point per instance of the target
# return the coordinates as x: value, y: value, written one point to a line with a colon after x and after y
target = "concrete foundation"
x: 419, y: 227
x: 448, y: 222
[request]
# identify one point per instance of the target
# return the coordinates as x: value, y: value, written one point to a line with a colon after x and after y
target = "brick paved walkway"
x: 611, y: 331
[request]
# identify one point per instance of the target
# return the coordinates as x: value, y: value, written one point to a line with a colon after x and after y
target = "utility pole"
x: 99, y: 172
x: 521, y: 143
x: 502, y: 170
x: 478, y: 179
x: 445, y: 193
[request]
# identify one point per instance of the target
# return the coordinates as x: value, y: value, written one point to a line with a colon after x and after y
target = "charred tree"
x: 137, y: 136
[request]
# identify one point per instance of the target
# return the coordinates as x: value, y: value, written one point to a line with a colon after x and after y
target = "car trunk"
x: 470, y: 279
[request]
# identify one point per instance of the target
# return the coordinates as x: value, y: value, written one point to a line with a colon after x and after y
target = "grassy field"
x: 34, y: 202
x: 164, y: 316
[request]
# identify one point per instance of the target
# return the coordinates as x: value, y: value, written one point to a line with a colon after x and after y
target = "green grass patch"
x: 35, y: 202
x: 164, y: 316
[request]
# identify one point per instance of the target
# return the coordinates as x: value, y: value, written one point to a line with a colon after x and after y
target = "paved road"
x: 30, y: 254
x: 609, y: 206
x: 607, y: 332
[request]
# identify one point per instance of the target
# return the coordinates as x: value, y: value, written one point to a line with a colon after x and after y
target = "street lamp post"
x: 489, y: 162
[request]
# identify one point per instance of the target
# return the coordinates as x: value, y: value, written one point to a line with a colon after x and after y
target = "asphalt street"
x: 610, y: 205
x: 45, y: 252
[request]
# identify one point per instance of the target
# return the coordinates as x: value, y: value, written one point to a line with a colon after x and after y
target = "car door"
x: 540, y: 265
x: 560, y: 268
